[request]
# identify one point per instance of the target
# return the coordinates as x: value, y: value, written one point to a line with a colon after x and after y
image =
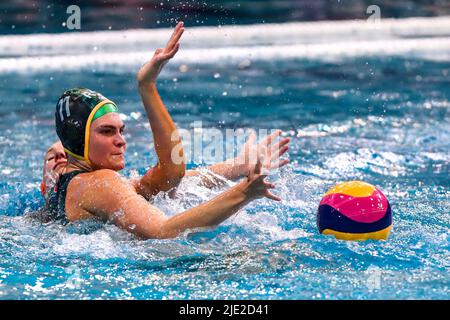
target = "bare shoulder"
x: 97, y: 193
x: 98, y: 180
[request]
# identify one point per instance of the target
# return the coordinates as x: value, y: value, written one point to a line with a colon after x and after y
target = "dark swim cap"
x: 75, y: 111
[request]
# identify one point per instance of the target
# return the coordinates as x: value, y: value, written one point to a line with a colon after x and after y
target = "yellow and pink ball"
x: 355, y: 211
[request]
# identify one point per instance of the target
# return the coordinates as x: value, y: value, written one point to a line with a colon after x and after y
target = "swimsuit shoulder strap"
x: 64, y: 179
x: 57, y: 201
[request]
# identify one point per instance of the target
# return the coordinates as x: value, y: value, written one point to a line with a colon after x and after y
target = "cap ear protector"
x: 75, y: 111
x: 43, y: 187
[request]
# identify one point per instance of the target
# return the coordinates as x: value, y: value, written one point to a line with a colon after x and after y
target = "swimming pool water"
x: 380, y: 118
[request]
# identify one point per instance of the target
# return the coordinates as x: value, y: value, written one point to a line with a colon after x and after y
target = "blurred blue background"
x: 20, y: 17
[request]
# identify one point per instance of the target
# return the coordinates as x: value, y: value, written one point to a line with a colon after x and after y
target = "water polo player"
x: 91, y: 132
x: 55, y: 159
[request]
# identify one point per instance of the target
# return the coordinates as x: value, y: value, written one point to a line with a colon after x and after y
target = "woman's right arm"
x: 122, y: 206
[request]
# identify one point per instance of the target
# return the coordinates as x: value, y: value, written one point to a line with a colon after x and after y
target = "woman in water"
x: 89, y: 185
x: 55, y: 159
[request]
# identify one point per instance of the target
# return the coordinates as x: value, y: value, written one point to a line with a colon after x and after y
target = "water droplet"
x: 135, y: 115
x: 183, y: 68
x: 244, y: 64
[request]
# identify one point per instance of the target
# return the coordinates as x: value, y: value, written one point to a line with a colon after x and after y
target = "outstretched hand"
x: 271, y: 149
x: 257, y: 187
x: 150, y: 71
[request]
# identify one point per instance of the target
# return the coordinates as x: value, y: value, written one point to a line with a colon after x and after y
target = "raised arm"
x: 167, y: 173
x: 131, y: 212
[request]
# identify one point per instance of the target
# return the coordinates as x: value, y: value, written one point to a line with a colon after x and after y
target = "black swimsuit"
x: 57, y: 200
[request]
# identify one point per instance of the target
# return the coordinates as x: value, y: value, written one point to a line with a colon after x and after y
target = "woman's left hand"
x: 150, y: 71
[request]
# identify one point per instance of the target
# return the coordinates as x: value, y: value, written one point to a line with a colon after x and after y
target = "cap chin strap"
x: 73, y: 154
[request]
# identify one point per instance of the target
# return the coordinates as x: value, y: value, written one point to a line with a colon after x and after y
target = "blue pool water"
x: 377, y: 113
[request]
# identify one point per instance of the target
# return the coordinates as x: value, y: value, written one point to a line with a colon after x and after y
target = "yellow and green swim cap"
x: 75, y: 111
